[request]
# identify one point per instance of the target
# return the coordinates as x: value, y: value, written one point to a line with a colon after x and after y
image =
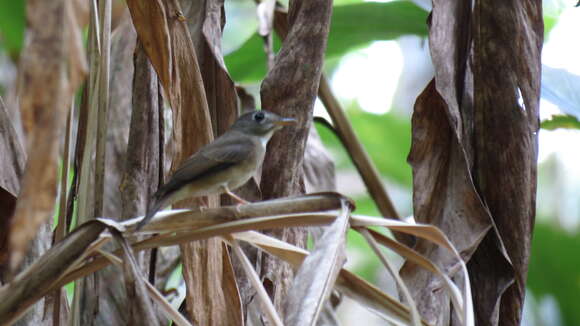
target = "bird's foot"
x: 237, y: 198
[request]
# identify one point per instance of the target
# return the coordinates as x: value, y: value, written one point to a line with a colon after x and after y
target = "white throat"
x: 266, y: 138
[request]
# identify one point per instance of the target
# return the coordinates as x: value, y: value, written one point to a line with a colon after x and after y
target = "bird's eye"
x: 259, y: 116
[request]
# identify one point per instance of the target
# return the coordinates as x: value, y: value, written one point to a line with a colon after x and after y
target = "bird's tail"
x: 154, y: 205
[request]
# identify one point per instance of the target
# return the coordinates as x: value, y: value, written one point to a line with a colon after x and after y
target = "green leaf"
x: 12, y: 22
x: 357, y: 25
x: 387, y: 139
x: 353, y: 25
x: 561, y: 122
x: 554, y: 269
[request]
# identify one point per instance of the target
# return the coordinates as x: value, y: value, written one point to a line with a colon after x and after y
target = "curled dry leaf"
x: 169, y: 221
x: 168, y: 45
x: 140, y: 309
x: 411, y: 255
x: 415, y: 318
x: 123, y: 41
x: 315, y: 279
x: 506, y: 119
x: 290, y: 90
x: 11, y: 170
x: 141, y: 169
x: 348, y: 283
x: 431, y: 234
x: 475, y: 144
x: 436, y: 152
x: 219, y: 87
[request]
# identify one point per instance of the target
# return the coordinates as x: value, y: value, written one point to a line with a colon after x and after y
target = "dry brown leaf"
x: 470, y: 120
x: 11, y: 170
x: 506, y: 78
x: 167, y: 221
x: 419, y: 259
x: 149, y: 19
x: 314, y: 281
x: 363, y: 292
x: 45, y: 95
x: 444, y: 195
x: 415, y: 317
x: 435, y: 236
x: 123, y: 42
x: 268, y: 306
x: 219, y: 87
x: 38, y: 279
x: 138, y: 303
x: 102, y: 100
x: 233, y: 298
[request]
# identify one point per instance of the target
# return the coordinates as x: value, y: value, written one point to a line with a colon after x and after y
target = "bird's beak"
x: 285, y: 122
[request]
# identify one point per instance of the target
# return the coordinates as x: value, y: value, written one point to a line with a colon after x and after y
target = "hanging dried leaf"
x: 315, y: 279
x: 150, y: 21
x: 436, y: 152
x: 162, y: 30
x: 140, y: 309
x: 219, y: 87
x: 46, y: 92
x: 506, y: 78
x: 474, y: 145
x: 11, y: 170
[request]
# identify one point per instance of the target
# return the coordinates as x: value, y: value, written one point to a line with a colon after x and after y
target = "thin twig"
x: 360, y: 157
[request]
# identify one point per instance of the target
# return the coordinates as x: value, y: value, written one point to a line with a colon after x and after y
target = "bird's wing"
x: 222, y: 154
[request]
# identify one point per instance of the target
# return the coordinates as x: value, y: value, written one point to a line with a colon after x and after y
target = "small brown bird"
x: 223, y: 165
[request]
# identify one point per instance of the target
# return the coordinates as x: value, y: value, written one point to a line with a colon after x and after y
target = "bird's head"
x: 261, y: 123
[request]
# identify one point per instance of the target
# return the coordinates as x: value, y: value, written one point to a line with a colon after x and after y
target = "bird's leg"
x: 237, y: 198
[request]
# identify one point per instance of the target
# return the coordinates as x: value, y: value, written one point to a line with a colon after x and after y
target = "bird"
x: 223, y: 165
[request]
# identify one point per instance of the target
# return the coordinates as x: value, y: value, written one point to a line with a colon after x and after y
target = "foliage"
x: 387, y: 139
x: 12, y: 25
x: 353, y: 25
x: 561, y: 122
x: 554, y: 269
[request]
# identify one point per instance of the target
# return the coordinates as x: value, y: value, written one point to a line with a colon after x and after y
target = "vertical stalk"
x: 103, y: 104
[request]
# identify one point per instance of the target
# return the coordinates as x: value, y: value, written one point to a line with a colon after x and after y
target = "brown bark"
x: 122, y: 49
x: 140, y: 179
x: 290, y: 90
